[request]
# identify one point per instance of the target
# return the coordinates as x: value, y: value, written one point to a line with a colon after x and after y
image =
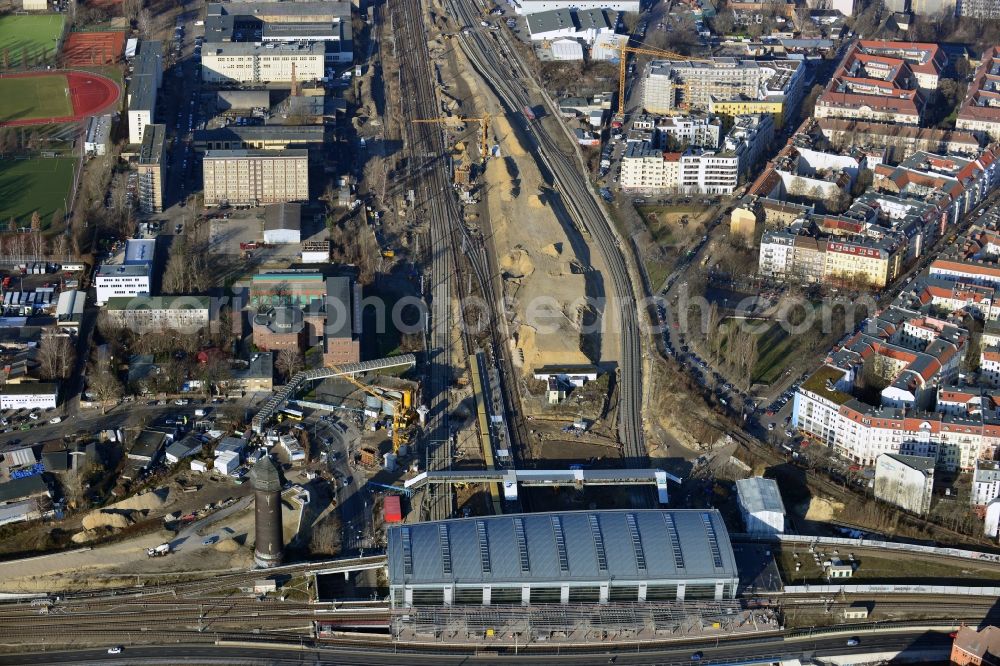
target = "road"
x: 921, y: 642
x: 509, y: 79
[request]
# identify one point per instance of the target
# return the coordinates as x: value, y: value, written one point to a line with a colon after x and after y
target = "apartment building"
x: 262, y: 63
x: 702, y: 131
x: 698, y: 171
x: 725, y: 87
x: 857, y: 262
x: 920, y: 413
x: 906, y: 481
x: 127, y: 274
x: 147, y: 77
x: 980, y: 111
x: 979, y: 9
x: 869, y: 86
x: 140, y: 314
x: 926, y: 61
x: 900, y: 140
x: 255, y: 177
x: 985, y: 482
x: 151, y: 169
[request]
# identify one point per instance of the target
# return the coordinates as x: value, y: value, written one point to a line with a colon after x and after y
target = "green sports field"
x: 41, y: 184
x: 29, y: 35
x: 34, y: 97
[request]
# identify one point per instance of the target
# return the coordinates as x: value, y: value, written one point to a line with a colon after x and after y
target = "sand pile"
x: 553, y: 250
x: 822, y: 509
x: 227, y: 546
x: 115, y: 519
x: 517, y: 263
x: 150, y: 501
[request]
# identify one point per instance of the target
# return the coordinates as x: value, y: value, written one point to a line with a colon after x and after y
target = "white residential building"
x: 701, y: 131
x: 761, y: 506
x: 985, y: 482
x: 29, y: 395
x: 584, y: 25
x: 256, y: 62
x: 129, y: 273
x: 147, y: 76
x: 98, y: 135
x: 534, y: 6
x: 906, y: 481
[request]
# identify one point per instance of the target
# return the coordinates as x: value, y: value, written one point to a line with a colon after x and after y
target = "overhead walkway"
x: 281, y: 396
x: 510, y: 478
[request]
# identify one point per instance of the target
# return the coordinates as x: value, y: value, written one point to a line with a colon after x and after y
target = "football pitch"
x: 29, y: 35
x: 30, y: 97
x: 41, y: 184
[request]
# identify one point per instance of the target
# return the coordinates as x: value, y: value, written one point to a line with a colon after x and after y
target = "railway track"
x: 503, y: 71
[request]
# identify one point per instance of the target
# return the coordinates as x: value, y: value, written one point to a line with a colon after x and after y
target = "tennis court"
x: 29, y: 36
x: 41, y: 184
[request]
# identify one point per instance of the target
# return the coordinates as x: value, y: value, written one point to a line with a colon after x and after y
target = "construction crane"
x: 484, y: 126
x: 398, y: 416
x: 625, y: 49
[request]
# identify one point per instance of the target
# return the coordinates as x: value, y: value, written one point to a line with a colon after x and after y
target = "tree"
x: 105, y: 386
x: 56, y: 357
x: 131, y: 9
x: 60, y: 247
x: 809, y: 103
x: 36, y: 222
x: 288, y: 362
x: 724, y: 22
x: 145, y: 23
x: 630, y: 20
x: 877, y: 372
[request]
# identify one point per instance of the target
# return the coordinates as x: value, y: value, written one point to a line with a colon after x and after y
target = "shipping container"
x: 392, y: 509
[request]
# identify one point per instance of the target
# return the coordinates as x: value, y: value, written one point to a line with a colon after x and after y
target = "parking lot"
x: 247, y: 226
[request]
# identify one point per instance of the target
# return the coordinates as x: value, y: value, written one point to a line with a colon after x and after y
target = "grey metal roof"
x: 561, y: 546
x: 27, y: 486
x: 283, y: 216
x: 240, y: 133
x: 919, y: 463
x: 153, y: 142
x: 339, y: 318
x: 148, y: 67
x: 759, y: 494
x: 556, y: 19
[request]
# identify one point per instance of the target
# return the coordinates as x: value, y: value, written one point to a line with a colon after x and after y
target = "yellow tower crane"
x: 484, y: 126
x: 399, y: 417
x: 625, y: 49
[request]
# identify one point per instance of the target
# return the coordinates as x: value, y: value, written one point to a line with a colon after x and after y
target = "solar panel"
x: 557, y: 530
x: 407, y: 551
x: 522, y: 544
x: 713, y: 540
x: 445, y: 548
x: 484, y: 547
x: 595, y: 530
x: 633, y: 531
x: 675, y: 540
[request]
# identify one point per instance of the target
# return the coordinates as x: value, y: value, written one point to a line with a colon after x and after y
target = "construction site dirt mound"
x: 822, y: 509
x: 553, y: 250
x: 150, y: 501
x: 517, y: 263
x: 227, y: 546
x: 113, y: 518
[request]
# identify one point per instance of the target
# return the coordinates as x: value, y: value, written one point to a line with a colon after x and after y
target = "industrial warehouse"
x: 563, y: 557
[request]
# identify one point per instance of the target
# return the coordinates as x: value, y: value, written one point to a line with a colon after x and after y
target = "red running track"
x: 90, y: 94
